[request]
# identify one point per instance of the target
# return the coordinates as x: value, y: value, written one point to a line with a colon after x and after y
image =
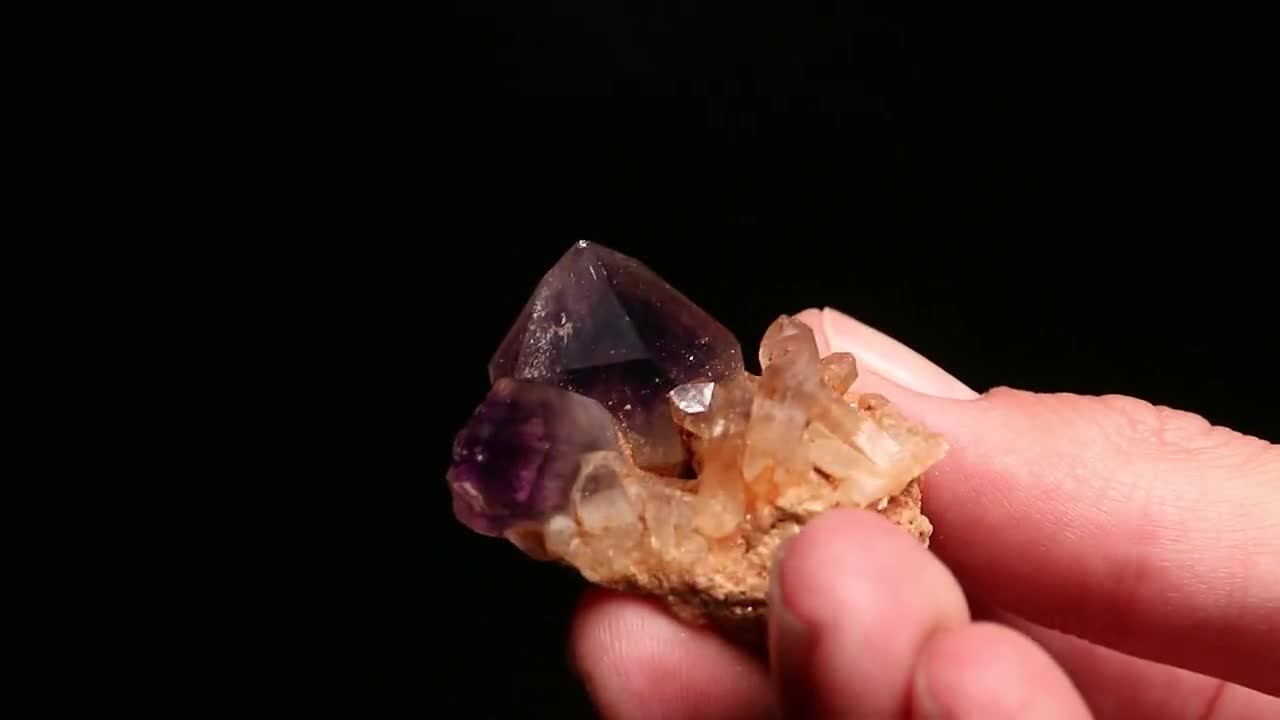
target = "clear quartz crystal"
x: 600, y: 502
x: 839, y: 371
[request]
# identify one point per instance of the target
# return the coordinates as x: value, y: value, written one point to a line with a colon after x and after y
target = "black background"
x: 285, y: 244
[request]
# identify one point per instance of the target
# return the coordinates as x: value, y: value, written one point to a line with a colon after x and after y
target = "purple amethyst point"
x: 516, y: 459
x: 604, y: 325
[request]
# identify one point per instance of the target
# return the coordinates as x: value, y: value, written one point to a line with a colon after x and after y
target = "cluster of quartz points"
x: 623, y: 436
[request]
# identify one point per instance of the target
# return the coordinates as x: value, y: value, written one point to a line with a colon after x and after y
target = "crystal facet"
x: 603, y: 325
x: 623, y: 436
x: 517, y: 458
x: 839, y: 370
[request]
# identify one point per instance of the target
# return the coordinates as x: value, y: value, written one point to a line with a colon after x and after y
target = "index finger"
x: 1142, y: 528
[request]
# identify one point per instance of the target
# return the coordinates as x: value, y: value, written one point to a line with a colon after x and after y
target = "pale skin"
x: 1093, y: 557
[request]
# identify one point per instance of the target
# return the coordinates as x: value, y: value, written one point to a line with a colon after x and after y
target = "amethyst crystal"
x: 517, y: 457
x: 605, y: 326
x: 587, y: 366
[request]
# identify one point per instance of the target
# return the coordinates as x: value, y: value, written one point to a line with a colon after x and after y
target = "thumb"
x: 1140, y: 527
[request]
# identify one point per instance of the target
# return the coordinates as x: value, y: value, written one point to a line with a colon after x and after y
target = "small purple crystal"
x: 517, y: 457
x: 605, y: 326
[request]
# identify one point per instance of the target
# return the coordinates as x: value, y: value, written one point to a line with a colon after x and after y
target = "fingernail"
x: 889, y: 358
x: 790, y: 645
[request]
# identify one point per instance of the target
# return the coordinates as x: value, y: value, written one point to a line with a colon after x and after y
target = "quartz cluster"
x: 623, y: 435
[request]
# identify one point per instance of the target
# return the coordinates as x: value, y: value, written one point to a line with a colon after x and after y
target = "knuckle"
x: 1177, y: 434
x: 1132, y: 419
x: 1004, y: 393
x: 1138, y: 420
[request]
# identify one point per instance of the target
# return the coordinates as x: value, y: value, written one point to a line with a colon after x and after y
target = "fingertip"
x: 887, y: 356
x: 856, y: 599
x: 984, y: 670
x: 638, y: 661
x: 849, y: 550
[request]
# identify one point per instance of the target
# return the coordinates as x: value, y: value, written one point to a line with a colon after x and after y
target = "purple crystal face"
x: 605, y: 326
x: 517, y: 457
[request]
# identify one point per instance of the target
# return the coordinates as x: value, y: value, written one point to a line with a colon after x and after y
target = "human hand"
x: 1146, y: 538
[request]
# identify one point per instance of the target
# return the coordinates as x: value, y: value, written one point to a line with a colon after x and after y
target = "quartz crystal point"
x: 605, y: 326
x: 517, y: 458
x: 623, y: 436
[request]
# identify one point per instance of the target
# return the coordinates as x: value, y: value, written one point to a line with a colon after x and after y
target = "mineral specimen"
x: 623, y: 436
x: 604, y: 326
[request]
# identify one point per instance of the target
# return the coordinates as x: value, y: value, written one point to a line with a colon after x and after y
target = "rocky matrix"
x: 623, y: 436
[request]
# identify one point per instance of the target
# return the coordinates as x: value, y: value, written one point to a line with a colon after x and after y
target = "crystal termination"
x: 623, y: 436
